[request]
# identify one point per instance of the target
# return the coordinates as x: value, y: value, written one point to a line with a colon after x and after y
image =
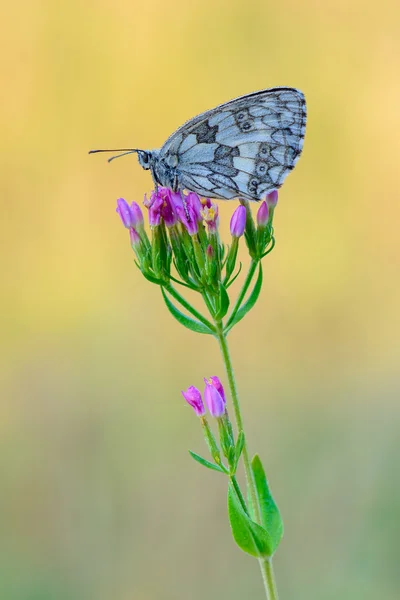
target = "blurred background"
x: 99, y: 497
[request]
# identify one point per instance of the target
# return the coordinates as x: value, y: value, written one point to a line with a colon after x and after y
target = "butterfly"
x: 244, y: 148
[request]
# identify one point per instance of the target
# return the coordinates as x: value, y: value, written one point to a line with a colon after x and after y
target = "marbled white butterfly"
x: 244, y: 148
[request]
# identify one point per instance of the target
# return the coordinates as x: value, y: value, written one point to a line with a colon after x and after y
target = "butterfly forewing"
x: 244, y: 148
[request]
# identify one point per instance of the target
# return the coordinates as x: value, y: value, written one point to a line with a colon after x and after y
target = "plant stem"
x: 268, y: 578
x: 239, y: 421
x: 265, y: 564
x: 239, y: 493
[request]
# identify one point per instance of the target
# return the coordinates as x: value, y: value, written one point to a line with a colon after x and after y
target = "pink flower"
x: 272, y: 199
x: 216, y: 382
x: 135, y: 238
x: 193, y: 200
x: 263, y: 214
x: 193, y: 397
x: 214, y: 400
x: 210, y: 215
x: 125, y: 212
x: 238, y: 221
x: 191, y: 223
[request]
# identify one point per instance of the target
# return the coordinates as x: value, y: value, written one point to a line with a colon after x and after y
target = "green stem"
x: 243, y: 291
x: 239, y: 494
x: 239, y: 421
x: 265, y: 564
x: 208, y: 303
x: 268, y: 578
x: 175, y: 294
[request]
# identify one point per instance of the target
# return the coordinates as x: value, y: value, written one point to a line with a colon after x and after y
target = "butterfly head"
x: 144, y: 158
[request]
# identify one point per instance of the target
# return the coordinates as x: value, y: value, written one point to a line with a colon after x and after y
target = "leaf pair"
x: 258, y: 540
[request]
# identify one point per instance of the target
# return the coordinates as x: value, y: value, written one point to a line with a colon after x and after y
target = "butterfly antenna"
x: 124, y: 151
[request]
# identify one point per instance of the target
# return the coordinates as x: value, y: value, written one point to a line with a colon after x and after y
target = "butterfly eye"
x: 144, y: 159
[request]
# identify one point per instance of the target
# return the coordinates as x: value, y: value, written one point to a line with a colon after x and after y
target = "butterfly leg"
x: 184, y: 205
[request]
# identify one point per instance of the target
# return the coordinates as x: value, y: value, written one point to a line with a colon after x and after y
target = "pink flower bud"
x: 263, y: 214
x: 238, y: 221
x: 193, y: 397
x: 135, y: 238
x: 193, y: 200
x: 214, y: 401
x: 210, y: 252
x: 216, y: 382
x: 272, y: 199
x: 125, y: 212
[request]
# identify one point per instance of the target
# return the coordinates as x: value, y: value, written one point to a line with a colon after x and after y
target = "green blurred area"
x: 99, y: 497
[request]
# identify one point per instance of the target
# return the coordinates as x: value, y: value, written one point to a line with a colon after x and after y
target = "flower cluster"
x: 183, y: 247
x: 185, y: 233
x: 214, y: 397
x: 215, y: 401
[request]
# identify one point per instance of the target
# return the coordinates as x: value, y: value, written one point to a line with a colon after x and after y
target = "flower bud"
x: 216, y: 382
x: 137, y: 216
x: 135, y: 238
x: 238, y: 221
x: 213, y: 399
x: 125, y: 212
x: 272, y: 199
x: 193, y: 397
x: 263, y: 214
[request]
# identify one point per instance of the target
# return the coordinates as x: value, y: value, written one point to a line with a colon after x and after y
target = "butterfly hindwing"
x: 243, y: 148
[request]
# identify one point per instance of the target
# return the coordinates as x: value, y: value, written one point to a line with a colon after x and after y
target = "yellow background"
x: 99, y: 498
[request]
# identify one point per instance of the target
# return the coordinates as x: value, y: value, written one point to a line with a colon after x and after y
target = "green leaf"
x: 234, y: 277
x: 271, y: 518
x: 223, y: 302
x: 270, y: 248
x: 184, y: 320
x: 239, y: 448
x: 250, y: 506
x: 249, y: 536
x: 248, y: 305
x: 206, y: 463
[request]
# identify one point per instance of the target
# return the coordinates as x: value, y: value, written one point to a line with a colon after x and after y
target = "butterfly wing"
x: 244, y: 148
